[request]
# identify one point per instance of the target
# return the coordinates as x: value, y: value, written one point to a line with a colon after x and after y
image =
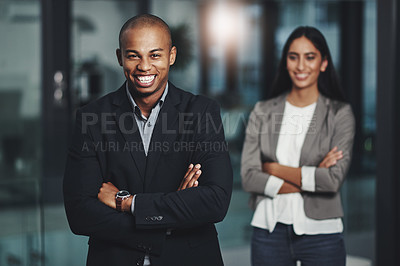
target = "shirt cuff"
x: 133, y: 204
x: 273, y: 186
x: 308, y: 178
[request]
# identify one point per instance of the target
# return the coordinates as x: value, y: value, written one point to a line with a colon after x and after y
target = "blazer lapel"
x: 164, y: 133
x: 315, y: 127
x: 127, y: 125
x: 276, y: 123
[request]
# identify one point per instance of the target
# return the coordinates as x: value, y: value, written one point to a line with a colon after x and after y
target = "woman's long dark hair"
x: 328, y: 82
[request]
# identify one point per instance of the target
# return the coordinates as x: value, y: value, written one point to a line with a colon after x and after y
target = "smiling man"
x: 147, y: 200
x: 146, y: 53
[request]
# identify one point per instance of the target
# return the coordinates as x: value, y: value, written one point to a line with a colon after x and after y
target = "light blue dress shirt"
x: 146, y: 126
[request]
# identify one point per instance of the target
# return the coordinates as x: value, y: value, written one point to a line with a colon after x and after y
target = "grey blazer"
x: 333, y: 125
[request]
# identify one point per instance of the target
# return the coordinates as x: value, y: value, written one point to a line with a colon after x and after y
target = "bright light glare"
x: 224, y: 24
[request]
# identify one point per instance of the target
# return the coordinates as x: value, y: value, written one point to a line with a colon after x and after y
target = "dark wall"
x: 388, y: 141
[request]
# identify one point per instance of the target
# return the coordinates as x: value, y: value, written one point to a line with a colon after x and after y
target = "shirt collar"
x: 135, y: 106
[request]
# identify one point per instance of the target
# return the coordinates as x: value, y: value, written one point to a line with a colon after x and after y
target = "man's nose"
x: 144, y: 65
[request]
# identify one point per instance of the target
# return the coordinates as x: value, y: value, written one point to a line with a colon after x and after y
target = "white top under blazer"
x: 289, y: 208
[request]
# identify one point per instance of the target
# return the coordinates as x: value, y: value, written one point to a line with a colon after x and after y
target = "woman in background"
x: 296, y: 154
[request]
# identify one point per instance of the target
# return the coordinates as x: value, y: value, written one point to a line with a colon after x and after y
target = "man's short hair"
x: 145, y: 20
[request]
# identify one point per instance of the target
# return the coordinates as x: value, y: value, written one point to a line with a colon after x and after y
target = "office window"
x: 20, y: 133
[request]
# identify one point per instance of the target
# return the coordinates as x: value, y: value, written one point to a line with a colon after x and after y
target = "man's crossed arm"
x: 108, y: 191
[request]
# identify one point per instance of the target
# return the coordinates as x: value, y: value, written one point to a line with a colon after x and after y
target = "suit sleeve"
x: 205, y: 204
x: 86, y: 214
x: 254, y: 180
x: 330, y: 179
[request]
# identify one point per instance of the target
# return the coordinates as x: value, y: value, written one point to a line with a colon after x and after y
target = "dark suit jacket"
x: 107, y: 146
x: 333, y: 125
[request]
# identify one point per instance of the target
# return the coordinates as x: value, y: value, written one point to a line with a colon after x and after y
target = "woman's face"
x: 304, y: 63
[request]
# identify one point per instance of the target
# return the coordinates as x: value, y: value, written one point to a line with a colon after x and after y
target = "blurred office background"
x: 56, y: 56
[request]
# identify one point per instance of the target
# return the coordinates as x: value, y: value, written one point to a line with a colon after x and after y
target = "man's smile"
x: 145, y: 80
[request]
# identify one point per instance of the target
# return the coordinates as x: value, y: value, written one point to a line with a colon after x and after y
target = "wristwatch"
x: 121, y: 196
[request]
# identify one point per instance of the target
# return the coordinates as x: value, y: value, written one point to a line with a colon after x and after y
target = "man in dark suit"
x: 127, y: 183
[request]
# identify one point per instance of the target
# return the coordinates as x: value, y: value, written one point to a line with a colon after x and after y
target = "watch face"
x: 123, y: 193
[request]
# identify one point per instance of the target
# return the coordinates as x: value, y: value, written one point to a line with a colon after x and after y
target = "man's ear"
x: 119, y: 56
x: 172, y: 55
x: 324, y: 65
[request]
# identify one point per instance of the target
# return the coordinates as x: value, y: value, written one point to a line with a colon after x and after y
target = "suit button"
x: 139, y: 262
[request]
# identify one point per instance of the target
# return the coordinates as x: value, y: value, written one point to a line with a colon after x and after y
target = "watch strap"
x: 119, y: 199
x: 118, y: 202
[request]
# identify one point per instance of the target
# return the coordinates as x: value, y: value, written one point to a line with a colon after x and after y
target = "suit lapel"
x: 164, y: 133
x: 315, y: 127
x: 127, y: 125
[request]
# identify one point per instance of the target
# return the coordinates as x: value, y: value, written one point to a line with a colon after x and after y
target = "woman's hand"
x: 288, y: 188
x: 287, y: 173
x: 270, y: 167
x: 275, y: 169
x: 331, y: 158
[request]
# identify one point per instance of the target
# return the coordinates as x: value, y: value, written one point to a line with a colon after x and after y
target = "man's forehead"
x: 147, y: 28
x: 136, y: 33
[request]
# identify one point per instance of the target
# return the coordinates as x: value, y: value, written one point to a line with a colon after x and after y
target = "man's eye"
x: 133, y: 56
x: 155, y: 55
x: 310, y: 58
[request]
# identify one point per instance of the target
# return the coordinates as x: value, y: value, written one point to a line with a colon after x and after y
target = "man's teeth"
x: 146, y: 79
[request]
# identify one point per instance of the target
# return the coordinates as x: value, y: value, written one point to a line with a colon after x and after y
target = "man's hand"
x: 331, y: 158
x: 107, y: 194
x: 190, y: 179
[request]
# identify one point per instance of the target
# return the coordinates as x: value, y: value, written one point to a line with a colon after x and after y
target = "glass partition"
x: 95, y: 26
x: 21, y: 241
